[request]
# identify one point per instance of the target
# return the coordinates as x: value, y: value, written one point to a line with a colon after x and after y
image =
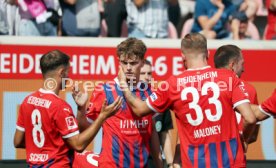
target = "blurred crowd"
x: 215, y: 19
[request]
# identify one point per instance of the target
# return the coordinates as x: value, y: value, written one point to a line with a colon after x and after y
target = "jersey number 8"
x: 36, y: 121
x: 194, y: 104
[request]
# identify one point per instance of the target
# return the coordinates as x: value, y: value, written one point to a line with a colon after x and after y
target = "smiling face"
x: 131, y: 66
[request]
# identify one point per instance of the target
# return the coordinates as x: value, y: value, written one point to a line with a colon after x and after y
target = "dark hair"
x: 225, y: 54
x: 53, y: 59
x: 194, y: 43
x: 147, y: 62
x: 131, y: 47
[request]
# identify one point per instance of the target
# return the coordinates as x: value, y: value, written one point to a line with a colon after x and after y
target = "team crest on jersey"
x: 70, y: 121
x: 153, y: 97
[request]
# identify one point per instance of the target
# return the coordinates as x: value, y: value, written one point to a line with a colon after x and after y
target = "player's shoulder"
x: 248, y: 86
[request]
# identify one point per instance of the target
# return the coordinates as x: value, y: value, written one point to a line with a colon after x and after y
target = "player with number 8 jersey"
x: 46, y: 120
x: 46, y: 126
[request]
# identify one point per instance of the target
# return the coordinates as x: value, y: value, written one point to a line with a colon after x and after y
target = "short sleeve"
x: 20, y: 120
x: 160, y: 100
x: 239, y: 93
x: 269, y: 105
x: 95, y: 104
x: 65, y: 121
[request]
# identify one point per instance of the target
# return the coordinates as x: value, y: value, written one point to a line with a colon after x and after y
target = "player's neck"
x: 196, y: 63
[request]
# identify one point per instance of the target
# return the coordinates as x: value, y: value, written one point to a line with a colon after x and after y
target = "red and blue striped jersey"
x: 126, y: 137
x: 203, y: 101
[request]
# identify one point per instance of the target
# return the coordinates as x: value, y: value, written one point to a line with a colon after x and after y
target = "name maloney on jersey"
x: 214, y: 130
x: 134, y: 124
x: 39, y: 102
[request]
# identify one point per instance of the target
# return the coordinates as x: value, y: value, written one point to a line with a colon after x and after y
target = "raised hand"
x: 122, y: 78
x: 79, y: 97
x: 111, y: 109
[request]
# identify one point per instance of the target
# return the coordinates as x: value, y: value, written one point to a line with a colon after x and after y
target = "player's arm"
x: 81, y: 101
x: 177, y: 155
x: 80, y: 141
x: 138, y: 106
x: 19, y: 139
x: 155, y: 147
x: 260, y: 116
x: 82, y: 120
x: 249, y: 119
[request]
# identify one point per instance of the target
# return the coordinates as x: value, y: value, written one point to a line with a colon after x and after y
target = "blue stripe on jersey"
x: 234, y: 147
x: 213, y: 155
x: 115, y: 150
x: 126, y: 155
x: 145, y: 155
x: 149, y: 91
x: 201, y: 157
x: 36, y: 166
x: 225, y: 157
x: 136, y: 155
x: 50, y: 162
x: 108, y: 94
x: 142, y: 95
x: 120, y: 93
x: 191, y: 152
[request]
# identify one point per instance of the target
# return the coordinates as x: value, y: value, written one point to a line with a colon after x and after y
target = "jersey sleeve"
x: 65, y: 121
x: 269, y: 105
x: 160, y: 100
x: 239, y: 93
x: 20, y: 120
x: 95, y: 104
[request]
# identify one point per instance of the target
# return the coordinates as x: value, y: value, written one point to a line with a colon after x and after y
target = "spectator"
x: 239, y: 26
x: 270, y: 33
x: 4, y: 28
x: 148, y: 18
x: 249, y: 7
x: 80, y: 18
x: 36, y: 22
x: 211, y: 18
x: 114, y: 14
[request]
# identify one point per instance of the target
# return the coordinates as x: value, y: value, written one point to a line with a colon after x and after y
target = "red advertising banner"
x: 22, y: 61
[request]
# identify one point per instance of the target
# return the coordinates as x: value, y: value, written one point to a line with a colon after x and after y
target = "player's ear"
x: 207, y: 54
x: 61, y: 72
x: 231, y: 65
x: 183, y: 56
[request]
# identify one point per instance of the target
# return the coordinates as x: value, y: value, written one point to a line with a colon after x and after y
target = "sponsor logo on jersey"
x: 153, y: 97
x: 70, y: 121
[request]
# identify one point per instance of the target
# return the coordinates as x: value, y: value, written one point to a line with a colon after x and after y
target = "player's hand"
x: 122, y: 78
x: 109, y: 110
x: 79, y: 96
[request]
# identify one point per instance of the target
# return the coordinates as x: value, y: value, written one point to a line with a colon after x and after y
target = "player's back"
x: 203, y: 101
x: 42, y: 118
